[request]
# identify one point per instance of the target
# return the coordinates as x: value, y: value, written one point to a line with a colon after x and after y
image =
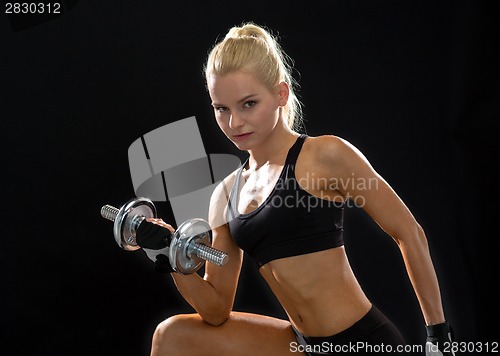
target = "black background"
x: 413, y: 84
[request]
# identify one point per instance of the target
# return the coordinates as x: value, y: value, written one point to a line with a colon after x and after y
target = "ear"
x: 283, y: 93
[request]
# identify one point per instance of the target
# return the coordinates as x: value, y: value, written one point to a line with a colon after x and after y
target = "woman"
x: 284, y: 206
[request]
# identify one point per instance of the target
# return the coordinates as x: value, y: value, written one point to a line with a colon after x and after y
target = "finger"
x: 159, y: 221
x: 170, y: 227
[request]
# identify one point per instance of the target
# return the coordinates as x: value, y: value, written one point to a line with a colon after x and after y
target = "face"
x: 245, y: 109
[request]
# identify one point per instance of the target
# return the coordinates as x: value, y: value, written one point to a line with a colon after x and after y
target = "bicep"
x: 223, y: 278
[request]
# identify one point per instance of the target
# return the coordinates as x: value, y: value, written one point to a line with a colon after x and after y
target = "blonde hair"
x: 253, y: 47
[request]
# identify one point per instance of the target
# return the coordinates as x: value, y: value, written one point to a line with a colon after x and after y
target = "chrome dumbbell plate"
x: 128, y: 219
x: 190, y: 233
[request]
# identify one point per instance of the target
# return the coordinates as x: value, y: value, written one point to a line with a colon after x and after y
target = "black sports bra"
x: 289, y: 222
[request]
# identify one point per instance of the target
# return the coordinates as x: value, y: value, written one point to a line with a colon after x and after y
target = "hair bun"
x: 248, y: 30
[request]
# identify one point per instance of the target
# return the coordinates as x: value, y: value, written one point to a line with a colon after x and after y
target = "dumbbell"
x: 188, y: 247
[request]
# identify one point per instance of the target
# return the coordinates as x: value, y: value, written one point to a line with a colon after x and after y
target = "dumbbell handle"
x: 210, y: 254
x: 204, y: 252
x: 110, y: 212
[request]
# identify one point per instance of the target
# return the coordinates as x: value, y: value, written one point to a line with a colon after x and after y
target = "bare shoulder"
x: 222, y: 189
x: 219, y: 199
x: 330, y: 149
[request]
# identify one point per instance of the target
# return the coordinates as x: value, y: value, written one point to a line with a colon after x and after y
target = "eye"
x: 249, y: 104
x: 220, y: 109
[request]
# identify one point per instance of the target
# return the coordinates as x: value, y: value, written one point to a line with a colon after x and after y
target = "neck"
x: 274, y: 147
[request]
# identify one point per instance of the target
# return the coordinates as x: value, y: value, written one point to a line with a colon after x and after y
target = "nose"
x: 235, y: 121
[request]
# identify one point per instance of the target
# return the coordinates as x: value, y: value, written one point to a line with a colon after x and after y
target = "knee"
x: 171, y: 334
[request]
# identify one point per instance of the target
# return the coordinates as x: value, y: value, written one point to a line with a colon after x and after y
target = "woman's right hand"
x: 154, y: 234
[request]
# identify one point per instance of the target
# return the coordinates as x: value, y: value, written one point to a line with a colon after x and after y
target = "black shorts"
x: 374, y: 334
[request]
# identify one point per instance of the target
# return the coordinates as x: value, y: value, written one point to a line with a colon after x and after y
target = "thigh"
x: 241, y: 334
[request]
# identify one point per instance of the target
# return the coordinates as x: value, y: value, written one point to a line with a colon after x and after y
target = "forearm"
x: 423, y: 277
x: 203, y: 297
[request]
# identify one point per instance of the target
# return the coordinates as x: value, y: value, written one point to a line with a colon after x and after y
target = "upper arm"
x: 223, y: 279
x: 357, y: 180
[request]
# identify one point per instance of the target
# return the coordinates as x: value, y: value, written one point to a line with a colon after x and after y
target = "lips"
x: 242, y: 136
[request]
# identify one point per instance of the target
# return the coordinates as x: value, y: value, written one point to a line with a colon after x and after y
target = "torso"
x: 318, y: 290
